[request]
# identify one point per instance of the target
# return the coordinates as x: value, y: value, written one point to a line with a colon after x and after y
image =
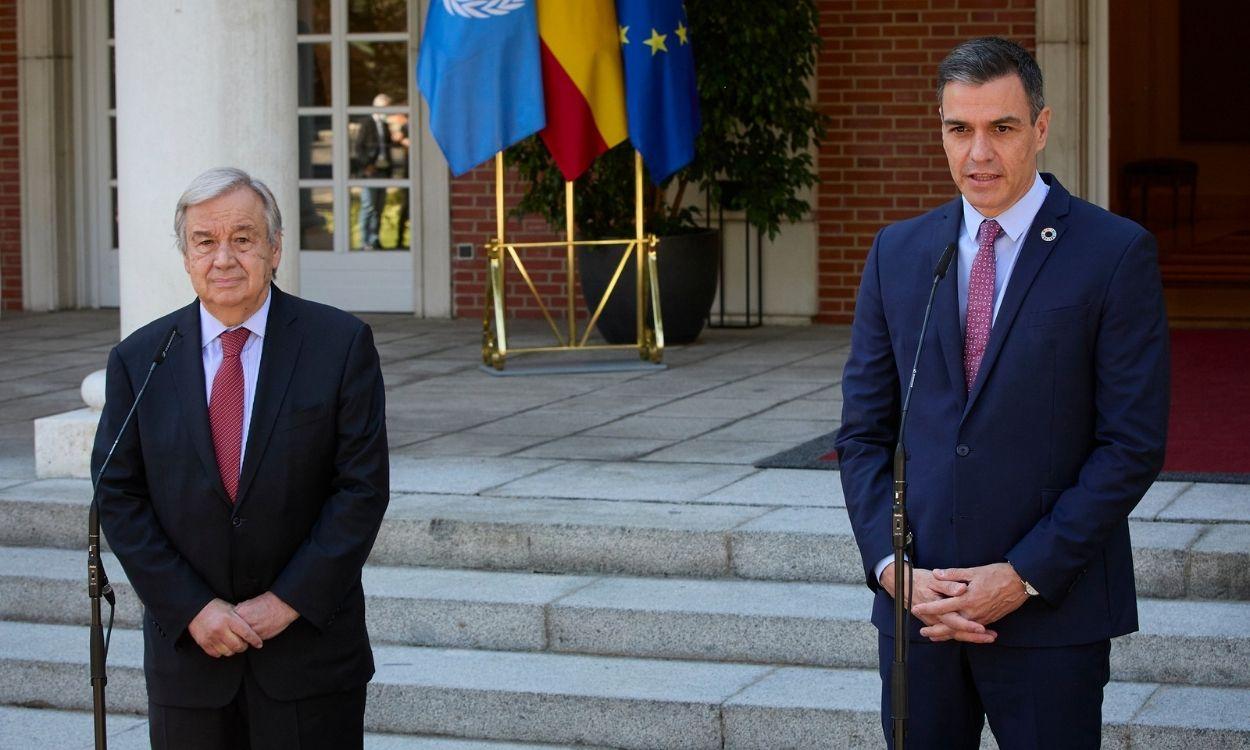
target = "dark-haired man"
x: 1038, y: 421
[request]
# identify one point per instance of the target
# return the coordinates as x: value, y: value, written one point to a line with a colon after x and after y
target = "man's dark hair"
x: 987, y: 58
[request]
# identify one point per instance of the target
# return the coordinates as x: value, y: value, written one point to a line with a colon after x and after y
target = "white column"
x: 200, y: 84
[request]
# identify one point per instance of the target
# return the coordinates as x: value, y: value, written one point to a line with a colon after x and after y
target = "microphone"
x: 901, y: 538
x: 163, y: 351
x: 97, y: 580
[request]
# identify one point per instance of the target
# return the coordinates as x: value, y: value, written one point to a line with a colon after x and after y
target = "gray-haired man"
x: 243, y: 500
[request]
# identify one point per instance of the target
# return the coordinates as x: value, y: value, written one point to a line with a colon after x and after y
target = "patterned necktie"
x: 980, y: 301
x: 225, y: 409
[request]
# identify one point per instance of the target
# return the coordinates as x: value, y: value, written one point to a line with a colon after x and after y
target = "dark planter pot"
x: 688, y: 266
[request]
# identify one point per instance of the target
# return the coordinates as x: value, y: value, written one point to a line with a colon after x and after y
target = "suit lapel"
x: 1032, y: 255
x: 187, y: 358
x: 277, y: 363
x: 946, y: 302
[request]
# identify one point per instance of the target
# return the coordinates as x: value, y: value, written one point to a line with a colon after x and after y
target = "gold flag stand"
x: 649, y: 342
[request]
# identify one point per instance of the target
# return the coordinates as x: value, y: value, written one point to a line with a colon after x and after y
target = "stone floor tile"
x: 624, y: 481
x: 702, y: 450
x: 1210, y: 502
x: 461, y: 475
x: 587, y: 447
x: 786, y: 487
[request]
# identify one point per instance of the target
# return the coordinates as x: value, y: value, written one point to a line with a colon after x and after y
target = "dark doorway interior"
x: 1180, y: 147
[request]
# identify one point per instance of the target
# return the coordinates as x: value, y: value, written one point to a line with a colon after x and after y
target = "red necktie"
x: 225, y: 409
x: 980, y: 300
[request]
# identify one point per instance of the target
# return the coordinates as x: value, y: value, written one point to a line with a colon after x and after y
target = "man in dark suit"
x: 246, y: 494
x: 1038, y: 421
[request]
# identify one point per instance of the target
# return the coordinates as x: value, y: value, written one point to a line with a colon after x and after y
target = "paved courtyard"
x: 694, y: 429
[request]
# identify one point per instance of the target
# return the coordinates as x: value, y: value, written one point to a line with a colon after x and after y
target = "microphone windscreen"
x: 945, y: 261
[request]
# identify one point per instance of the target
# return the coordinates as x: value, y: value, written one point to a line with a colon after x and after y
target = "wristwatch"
x: 1028, y: 587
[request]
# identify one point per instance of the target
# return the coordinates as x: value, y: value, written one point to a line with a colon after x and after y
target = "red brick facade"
x: 473, y: 222
x: 10, y: 180
x: 882, y: 160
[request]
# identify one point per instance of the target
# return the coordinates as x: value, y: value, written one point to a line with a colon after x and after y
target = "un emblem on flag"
x: 482, y: 8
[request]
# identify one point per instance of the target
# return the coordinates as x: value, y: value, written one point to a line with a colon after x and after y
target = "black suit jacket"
x: 312, y: 493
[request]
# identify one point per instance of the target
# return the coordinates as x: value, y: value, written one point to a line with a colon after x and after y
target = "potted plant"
x: 753, y: 63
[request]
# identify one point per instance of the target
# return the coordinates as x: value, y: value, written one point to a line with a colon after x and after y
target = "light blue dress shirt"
x: 1015, y: 222
x: 210, y: 331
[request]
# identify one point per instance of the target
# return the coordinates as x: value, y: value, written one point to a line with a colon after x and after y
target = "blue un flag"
x: 481, y: 75
x: 660, y: 95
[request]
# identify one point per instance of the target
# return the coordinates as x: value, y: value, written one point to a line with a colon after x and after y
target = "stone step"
x: 611, y: 701
x: 814, y: 624
x: 72, y: 730
x: 1174, y: 559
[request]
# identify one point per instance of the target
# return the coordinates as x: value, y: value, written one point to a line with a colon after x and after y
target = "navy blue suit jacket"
x: 1061, y: 435
x: 312, y: 493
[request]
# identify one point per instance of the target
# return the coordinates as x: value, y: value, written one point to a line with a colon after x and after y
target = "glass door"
x: 356, y: 228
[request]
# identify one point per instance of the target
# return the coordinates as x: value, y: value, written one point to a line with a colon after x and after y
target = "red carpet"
x: 1209, y: 428
x: 1209, y: 432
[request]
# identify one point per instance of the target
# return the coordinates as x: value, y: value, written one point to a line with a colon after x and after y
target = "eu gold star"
x: 656, y: 42
x: 624, y: 34
x: 682, y: 31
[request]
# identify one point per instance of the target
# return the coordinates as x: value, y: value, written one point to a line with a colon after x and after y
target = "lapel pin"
x: 1049, y: 234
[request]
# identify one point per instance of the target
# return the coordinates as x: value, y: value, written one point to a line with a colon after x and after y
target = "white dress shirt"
x: 1015, y: 222
x: 210, y: 331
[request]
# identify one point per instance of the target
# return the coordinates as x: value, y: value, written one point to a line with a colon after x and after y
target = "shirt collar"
x: 211, y: 328
x: 1016, y: 220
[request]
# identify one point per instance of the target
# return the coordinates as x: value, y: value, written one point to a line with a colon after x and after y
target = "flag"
x: 582, y: 81
x: 660, y: 96
x: 480, y: 71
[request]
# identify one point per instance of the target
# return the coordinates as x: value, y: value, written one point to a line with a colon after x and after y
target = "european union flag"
x: 481, y: 75
x: 660, y: 95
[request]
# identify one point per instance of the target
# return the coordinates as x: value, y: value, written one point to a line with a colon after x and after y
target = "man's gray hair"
x: 981, y: 60
x: 217, y: 182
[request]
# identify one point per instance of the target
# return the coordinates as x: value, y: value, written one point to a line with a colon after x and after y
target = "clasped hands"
x: 958, y: 603
x: 221, y: 629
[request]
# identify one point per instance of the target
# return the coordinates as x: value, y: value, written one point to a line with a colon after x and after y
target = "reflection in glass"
x: 313, y: 17
x: 379, y: 145
x: 314, y: 75
x: 316, y: 218
x: 380, y: 219
x: 365, y: 16
x: 377, y: 68
x: 316, y: 140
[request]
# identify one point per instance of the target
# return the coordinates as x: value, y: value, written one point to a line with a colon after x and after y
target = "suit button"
x: 962, y: 450
x: 236, y: 522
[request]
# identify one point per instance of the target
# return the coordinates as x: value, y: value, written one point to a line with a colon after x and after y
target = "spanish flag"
x: 582, y: 81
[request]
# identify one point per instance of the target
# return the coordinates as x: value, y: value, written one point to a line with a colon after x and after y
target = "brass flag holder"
x: 649, y: 342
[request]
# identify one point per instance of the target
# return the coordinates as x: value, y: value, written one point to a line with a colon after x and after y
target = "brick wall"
x: 473, y: 221
x: 882, y: 160
x: 10, y: 202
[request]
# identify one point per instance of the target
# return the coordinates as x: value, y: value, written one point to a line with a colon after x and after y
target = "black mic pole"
x: 97, y: 580
x: 898, y: 528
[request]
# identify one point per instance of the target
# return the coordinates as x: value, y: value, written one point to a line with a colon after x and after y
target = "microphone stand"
x: 901, y: 538
x: 97, y: 580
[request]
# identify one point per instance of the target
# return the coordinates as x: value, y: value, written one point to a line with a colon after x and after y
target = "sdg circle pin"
x: 1049, y: 234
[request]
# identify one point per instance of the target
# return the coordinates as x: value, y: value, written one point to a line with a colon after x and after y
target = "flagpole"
x: 638, y: 234
x: 568, y: 231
